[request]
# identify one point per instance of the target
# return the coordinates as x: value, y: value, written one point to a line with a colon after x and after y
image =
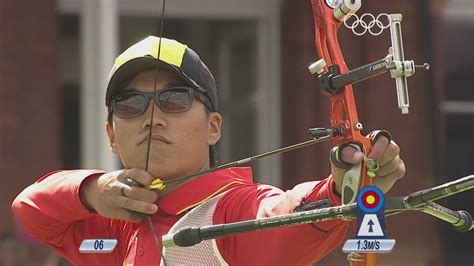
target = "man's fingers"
x: 141, y: 194
x: 382, y: 152
x: 389, y: 167
x: 350, y: 154
x: 386, y: 182
x: 139, y: 175
x: 391, y: 152
x: 378, y: 149
x: 136, y: 205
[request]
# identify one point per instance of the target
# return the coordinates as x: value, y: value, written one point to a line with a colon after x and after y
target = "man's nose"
x: 154, y: 116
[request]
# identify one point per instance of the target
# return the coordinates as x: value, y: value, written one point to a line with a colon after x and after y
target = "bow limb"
x: 343, y: 106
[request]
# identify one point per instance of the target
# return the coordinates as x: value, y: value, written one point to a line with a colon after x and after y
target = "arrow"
x: 370, y: 223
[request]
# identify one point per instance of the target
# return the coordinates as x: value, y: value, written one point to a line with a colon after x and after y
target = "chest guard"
x: 204, y: 253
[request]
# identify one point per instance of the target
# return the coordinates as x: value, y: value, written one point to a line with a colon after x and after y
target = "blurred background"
x: 54, y: 62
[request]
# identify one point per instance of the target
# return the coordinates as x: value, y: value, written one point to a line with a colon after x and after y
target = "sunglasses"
x: 170, y: 100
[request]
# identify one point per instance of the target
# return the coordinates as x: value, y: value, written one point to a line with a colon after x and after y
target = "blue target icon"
x: 370, y: 199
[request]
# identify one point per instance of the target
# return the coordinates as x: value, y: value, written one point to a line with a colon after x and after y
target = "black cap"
x: 174, y: 56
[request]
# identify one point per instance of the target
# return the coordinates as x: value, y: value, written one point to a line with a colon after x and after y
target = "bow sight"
x: 332, y: 81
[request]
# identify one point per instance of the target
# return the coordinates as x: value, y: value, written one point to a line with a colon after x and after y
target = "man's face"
x: 180, y: 141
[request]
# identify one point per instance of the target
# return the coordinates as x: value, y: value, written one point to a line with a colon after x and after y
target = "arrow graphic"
x: 370, y: 223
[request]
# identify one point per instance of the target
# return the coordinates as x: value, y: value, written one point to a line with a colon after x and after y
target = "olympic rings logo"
x: 375, y: 22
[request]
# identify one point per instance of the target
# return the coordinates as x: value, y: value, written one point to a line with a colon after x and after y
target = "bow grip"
x: 357, y: 175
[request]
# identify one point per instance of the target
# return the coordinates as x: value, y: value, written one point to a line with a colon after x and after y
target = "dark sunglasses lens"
x: 175, y: 100
x: 130, y: 105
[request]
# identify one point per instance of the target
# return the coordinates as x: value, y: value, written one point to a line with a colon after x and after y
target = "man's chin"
x: 162, y: 173
x: 162, y: 169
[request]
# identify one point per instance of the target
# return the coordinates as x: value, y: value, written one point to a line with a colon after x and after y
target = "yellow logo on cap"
x: 171, y: 51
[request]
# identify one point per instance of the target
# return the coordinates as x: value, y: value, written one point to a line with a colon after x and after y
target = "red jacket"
x: 51, y: 211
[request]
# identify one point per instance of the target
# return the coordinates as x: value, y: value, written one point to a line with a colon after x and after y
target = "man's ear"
x: 111, y: 135
x: 214, y: 133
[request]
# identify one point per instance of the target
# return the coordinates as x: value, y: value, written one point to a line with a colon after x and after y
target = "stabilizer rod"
x: 420, y: 200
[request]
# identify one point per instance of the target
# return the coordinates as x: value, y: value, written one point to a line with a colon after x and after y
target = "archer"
x: 163, y: 117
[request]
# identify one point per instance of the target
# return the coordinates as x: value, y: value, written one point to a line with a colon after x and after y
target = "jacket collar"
x: 203, y: 188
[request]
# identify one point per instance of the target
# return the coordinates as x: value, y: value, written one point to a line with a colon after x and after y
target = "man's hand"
x: 104, y: 195
x: 385, y: 153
